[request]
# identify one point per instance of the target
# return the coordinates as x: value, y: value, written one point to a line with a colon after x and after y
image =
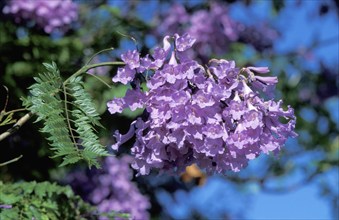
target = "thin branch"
x: 3, y: 112
x: 101, y: 80
x: 84, y: 69
x: 15, y: 110
x: 10, y: 161
x: 7, y: 96
x: 130, y: 37
x: 101, y: 51
x: 16, y: 126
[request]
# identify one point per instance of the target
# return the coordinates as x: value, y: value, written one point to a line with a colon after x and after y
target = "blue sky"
x: 304, y: 203
x: 300, y: 25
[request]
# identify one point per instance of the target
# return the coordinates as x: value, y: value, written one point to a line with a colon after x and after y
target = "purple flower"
x: 131, y: 58
x: 134, y: 99
x: 213, y: 29
x: 258, y: 69
x: 5, y: 206
x: 116, y: 105
x: 111, y: 189
x: 123, y: 138
x: 265, y: 84
x: 211, y: 116
x: 124, y: 75
x: 49, y: 15
x: 184, y: 42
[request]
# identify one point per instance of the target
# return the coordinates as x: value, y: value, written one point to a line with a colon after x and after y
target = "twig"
x: 101, y: 51
x: 101, y: 80
x: 16, y: 126
x: 10, y: 161
x: 7, y: 96
x: 15, y: 110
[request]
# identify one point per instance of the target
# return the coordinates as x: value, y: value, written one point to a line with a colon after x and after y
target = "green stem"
x: 15, y: 110
x: 68, y: 121
x: 98, y: 78
x: 84, y: 69
x: 104, y: 50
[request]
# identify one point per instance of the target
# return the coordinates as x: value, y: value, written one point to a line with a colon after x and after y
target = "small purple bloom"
x: 134, y: 99
x: 131, y: 58
x: 5, y: 206
x: 258, y: 69
x: 184, y: 42
x: 116, y: 105
x: 124, y: 75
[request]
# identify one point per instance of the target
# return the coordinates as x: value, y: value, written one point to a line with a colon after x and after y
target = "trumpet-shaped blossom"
x: 49, y: 15
x: 213, y: 115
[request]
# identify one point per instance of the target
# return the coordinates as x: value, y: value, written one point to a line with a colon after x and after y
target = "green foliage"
x: 44, y: 201
x: 68, y: 115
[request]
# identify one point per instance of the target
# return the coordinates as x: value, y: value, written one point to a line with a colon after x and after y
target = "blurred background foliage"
x: 306, y: 82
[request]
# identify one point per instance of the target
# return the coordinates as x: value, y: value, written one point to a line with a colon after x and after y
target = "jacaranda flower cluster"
x: 111, y: 189
x: 213, y: 115
x: 46, y: 14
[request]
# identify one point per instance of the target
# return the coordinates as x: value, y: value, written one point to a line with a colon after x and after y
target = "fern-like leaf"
x: 68, y: 115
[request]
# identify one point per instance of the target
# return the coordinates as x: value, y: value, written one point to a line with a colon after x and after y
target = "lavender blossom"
x: 5, y: 206
x: 214, y: 29
x: 111, y: 189
x: 214, y: 116
x: 49, y: 15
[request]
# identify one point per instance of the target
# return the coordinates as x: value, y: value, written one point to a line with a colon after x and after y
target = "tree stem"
x: 16, y: 126
x: 10, y: 161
